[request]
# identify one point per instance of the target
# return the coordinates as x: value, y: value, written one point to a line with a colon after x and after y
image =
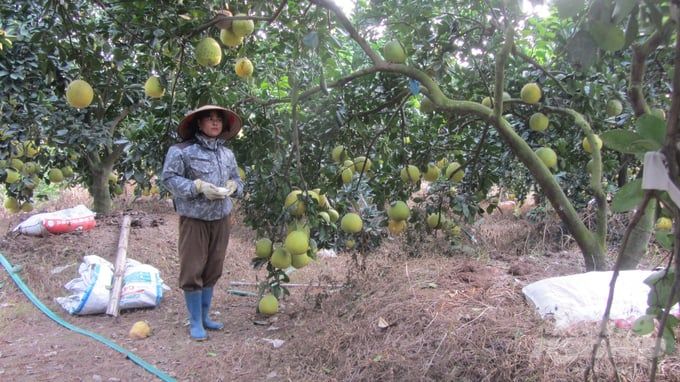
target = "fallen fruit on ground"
x: 140, y: 330
x: 268, y: 305
x: 11, y: 204
x: 530, y: 93
x: 79, y: 94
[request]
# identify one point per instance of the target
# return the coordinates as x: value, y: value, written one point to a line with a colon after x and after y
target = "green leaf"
x: 643, y: 325
x: 652, y: 127
x: 664, y: 238
x: 622, y: 9
x: 628, y: 197
x: 607, y: 36
x: 581, y: 50
x: 569, y: 8
x: 669, y: 339
x: 620, y: 140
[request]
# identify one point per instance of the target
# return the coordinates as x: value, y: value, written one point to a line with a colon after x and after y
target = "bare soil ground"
x: 404, y: 318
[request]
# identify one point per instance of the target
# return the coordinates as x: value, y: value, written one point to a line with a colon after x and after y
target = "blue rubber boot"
x: 193, y: 300
x: 206, y: 299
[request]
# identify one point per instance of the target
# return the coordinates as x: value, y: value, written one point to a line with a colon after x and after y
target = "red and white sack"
x: 78, y: 218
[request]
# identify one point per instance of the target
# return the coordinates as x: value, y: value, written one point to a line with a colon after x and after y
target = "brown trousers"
x: 202, y: 246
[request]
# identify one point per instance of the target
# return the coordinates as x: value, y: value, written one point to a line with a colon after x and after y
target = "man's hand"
x: 210, y: 191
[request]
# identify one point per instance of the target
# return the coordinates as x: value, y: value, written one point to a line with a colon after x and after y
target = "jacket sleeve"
x: 174, y: 175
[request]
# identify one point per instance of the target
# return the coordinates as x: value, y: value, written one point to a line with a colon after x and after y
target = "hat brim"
x: 232, y: 123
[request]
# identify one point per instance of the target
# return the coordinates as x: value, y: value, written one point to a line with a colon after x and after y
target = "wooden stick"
x: 244, y: 283
x: 121, y: 257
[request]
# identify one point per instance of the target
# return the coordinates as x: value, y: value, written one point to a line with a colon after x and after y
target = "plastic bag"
x: 92, y: 290
x: 583, y: 297
x: 142, y: 286
x: 78, y: 218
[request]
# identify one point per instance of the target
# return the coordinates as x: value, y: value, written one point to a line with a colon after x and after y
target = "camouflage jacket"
x: 205, y: 158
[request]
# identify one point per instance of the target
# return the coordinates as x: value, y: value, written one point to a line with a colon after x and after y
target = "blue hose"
x: 12, y: 271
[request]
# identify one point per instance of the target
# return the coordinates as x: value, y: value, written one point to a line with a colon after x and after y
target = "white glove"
x: 231, y: 186
x: 210, y: 191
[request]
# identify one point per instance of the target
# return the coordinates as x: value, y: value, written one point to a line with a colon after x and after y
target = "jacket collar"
x: 209, y: 143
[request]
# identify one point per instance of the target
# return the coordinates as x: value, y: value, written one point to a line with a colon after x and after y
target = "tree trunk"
x: 100, y: 191
x: 639, y: 239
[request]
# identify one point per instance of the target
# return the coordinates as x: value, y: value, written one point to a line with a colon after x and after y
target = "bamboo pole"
x: 119, y: 271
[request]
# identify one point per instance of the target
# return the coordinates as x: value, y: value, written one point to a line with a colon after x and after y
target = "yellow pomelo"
x: 79, y: 94
x: 11, y: 204
x: 243, y: 67
x: 530, y: 93
x: 334, y: 215
x: 410, y: 173
x: 241, y: 173
x: 351, y: 223
x: 30, y: 168
x: 394, y: 52
x: 140, y: 330
x: 16, y: 150
x: 325, y: 216
x: 362, y: 163
x: 16, y: 164
x: 242, y: 27
x: 538, y: 122
x: 229, y: 39
x: 396, y: 227
x: 113, y: 177
x: 435, y: 220
x: 11, y: 176
x: 27, y: 207
x: 295, y: 206
x: 297, y: 243
x: 208, y: 52
x: 67, y: 171
x: 280, y: 258
x: 452, y: 173
x: 347, y: 175
x: 398, y: 211
x: 455, y: 231
x: 442, y: 163
x: 663, y: 224
x: 30, y: 150
x: 339, y: 154
x: 432, y: 173
x: 488, y: 101
x: 547, y: 156
x: 55, y: 175
x: 153, y: 87
x: 586, y: 144
x: 263, y: 248
x: 268, y: 305
x: 658, y: 112
x: 349, y: 244
x: 299, y: 261
x: 348, y: 164
x: 614, y: 107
